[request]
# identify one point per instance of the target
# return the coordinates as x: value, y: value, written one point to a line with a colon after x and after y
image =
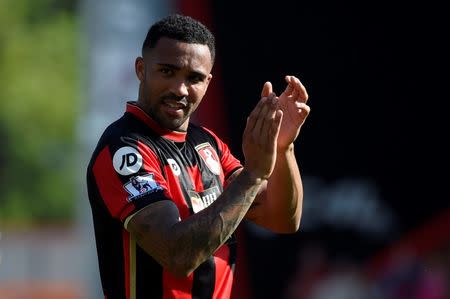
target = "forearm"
x: 180, y: 246
x: 188, y: 243
x: 285, y: 193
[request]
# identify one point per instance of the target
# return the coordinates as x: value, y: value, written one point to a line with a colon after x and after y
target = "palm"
x: 292, y: 121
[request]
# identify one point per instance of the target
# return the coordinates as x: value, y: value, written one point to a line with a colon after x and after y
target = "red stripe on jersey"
x: 194, y: 174
x: 110, y: 186
x: 222, y: 288
x: 152, y: 165
x: 177, y: 194
x: 126, y: 261
x: 171, y: 182
x: 180, y: 287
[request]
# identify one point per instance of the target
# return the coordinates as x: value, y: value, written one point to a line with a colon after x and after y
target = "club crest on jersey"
x: 201, y: 200
x: 127, y: 160
x: 210, y: 157
x: 141, y: 185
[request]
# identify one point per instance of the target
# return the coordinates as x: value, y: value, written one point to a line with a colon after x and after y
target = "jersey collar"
x: 166, y: 133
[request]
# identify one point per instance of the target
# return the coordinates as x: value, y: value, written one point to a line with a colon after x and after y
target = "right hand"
x: 259, y: 142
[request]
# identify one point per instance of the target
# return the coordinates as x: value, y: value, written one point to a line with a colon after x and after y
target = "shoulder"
x: 125, y: 132
x: 196, y: 130
x: 199, y: 134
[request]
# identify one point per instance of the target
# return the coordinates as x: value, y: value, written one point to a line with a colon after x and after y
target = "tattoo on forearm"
x: 186, y: 244
x: 201, y: 234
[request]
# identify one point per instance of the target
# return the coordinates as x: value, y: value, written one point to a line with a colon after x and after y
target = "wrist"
x: 251, y: 176
x: 285, y: 148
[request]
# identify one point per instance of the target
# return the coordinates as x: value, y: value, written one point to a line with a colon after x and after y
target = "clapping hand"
x: 295, y: 110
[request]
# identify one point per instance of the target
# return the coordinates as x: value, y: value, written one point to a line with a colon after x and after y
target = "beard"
x: 168, y: 121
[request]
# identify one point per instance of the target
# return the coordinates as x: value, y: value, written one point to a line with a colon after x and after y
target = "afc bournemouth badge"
x: 210, y: 157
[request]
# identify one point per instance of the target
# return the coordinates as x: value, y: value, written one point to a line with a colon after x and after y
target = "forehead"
x: 184, y: 55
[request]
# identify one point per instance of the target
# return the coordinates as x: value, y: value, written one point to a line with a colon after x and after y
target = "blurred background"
x: 373, y: 153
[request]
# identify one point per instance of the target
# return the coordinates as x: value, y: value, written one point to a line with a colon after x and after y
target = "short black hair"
x: 182, y: 28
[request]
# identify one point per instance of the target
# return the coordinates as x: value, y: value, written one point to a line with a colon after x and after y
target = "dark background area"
x: 377, y: 74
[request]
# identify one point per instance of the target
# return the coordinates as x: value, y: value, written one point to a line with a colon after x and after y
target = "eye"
x: 166, y: 71
x: 195, y: 79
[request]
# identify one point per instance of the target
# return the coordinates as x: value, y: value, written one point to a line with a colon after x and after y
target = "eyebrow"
x: 176, y: 67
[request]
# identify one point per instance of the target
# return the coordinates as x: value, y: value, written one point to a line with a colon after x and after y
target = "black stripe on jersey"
x: 107, y: 232
x: 232, y: 172
x: 164, y: 149
x: 177, y: 152
x: 232, y: 245
x: 148, y: 272
x: 186, y: 156
x: 204, y: 280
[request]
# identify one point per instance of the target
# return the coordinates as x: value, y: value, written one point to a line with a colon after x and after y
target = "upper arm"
x: 152, y: 226
x: 126, y: 177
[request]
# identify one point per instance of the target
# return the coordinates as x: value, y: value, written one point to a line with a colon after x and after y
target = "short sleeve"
x: 128, y: 177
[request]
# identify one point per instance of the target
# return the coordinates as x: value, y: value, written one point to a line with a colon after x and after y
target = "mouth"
x: 174, y: 108
x: 175, y: 104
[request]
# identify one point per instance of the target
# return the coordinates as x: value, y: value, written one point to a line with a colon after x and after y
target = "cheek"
x: 195, y: 100
x: 152, y: 88
x: 197, y: 94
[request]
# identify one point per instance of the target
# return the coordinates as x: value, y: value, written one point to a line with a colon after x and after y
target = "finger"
x: 290, y: 86
x: 304, y: 110
x: 301, y: 94
x: 302, y: 113
x: 253, y: 117
x: 263, y: 117
x: 268, y: 120
x: 278, y: 121
x: 275, y: 129
x: 267, y: 89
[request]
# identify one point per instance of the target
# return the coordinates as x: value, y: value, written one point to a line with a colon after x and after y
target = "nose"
x: 180, y: 88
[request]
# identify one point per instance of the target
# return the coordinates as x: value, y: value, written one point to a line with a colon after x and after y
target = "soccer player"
x: 167, y: 194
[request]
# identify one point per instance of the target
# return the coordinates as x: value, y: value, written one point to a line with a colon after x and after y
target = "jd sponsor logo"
x: 127, y: 160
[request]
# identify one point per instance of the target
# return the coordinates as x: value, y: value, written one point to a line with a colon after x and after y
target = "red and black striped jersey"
x: 136, y: 163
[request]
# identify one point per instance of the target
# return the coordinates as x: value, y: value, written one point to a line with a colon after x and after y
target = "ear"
x: 208, y: 79
x: 139, y: 67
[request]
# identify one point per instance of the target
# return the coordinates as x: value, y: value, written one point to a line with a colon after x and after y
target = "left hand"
x: 295, y: 110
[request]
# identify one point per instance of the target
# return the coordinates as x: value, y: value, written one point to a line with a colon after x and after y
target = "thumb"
x: 267, y: 89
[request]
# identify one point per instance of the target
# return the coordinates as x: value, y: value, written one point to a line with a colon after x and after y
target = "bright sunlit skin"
x: 292, y: 102
x: 279, y: 204
x: 174, y: 77
x: 181, y: 196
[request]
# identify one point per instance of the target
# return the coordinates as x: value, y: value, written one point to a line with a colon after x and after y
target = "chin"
x: 176, y: 125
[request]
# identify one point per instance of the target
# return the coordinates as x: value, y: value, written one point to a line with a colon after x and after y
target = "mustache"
x: 174, y: 97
